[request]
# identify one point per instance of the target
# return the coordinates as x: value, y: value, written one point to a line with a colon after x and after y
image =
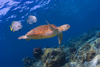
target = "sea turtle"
x: 46, y: 31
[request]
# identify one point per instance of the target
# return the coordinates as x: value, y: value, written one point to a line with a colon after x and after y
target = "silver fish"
x: 31, y: 19
x: 16, y: 26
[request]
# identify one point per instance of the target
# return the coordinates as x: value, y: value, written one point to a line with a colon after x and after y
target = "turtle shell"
x: 40, y: 29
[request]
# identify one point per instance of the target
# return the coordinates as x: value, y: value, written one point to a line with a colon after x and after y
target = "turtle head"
x: 64, y: 27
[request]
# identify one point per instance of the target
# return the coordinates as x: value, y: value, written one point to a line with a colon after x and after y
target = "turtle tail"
x: 22, y: 37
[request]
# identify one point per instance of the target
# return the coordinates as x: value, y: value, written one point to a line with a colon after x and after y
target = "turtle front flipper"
x: 60, y: 36
x: 53, y: 29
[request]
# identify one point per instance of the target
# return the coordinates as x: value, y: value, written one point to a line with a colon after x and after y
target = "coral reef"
x: 28, y: 61
x: 80, y: 40
x: 82, y: 51
x: 53, y: 57
x: 38, y: 64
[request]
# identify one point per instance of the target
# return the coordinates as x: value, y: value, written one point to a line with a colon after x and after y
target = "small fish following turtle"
x: 46, y: 31
x: 16, y: 26
x: 31, y: 19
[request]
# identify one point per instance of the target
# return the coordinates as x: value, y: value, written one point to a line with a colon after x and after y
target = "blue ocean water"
x: 81, y: 15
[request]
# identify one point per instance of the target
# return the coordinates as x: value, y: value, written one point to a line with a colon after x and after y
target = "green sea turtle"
x: 46, y: 31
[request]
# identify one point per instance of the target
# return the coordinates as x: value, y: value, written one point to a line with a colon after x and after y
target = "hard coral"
x: 37, y: 52
x: 98, y: 40
x: 85, y: 53
x: 86, y: 47
x: 79, y: 41
x: 72, y: 53
x: 28, y: 61
x: 95, y: 62
x: 90, y: 55
x: 53, y: 57
x: 72, y: 50
x: 97, y: 45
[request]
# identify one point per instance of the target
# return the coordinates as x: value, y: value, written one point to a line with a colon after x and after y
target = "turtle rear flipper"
x: 23, y: 37
x: 27, y: 39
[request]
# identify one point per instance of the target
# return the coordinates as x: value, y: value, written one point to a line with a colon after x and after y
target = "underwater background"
x: 81, y: 15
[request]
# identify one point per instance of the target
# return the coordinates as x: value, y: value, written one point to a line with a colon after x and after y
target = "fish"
x: 31, y: 19
x: 16, y: 26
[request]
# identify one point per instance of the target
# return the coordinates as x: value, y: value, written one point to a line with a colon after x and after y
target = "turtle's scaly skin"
x: 41, y: 32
